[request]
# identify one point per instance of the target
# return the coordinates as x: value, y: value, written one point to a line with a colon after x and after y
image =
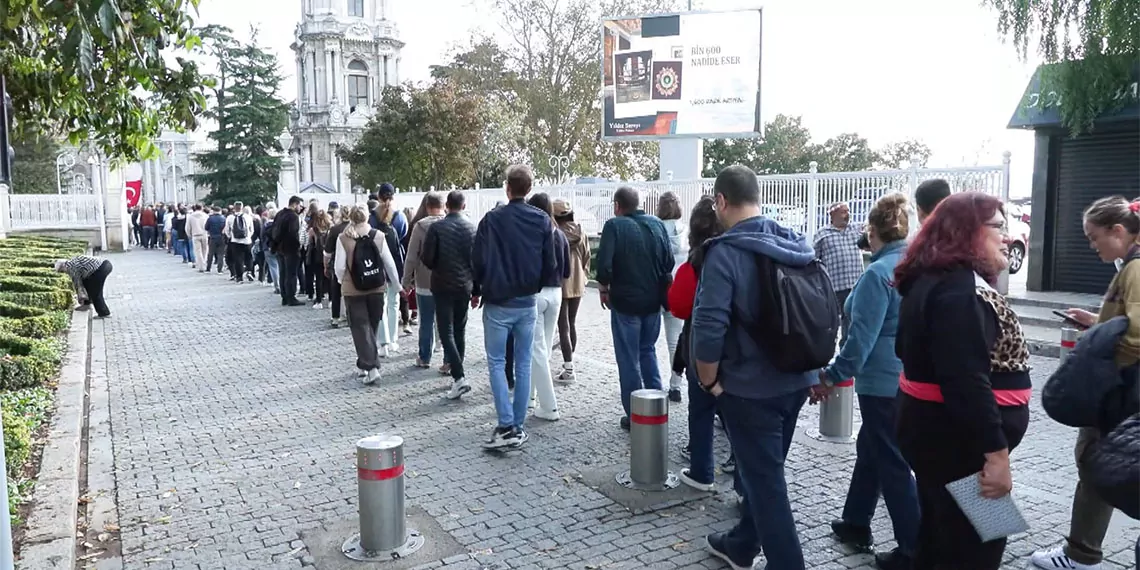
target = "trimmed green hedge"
x: 43, y: 326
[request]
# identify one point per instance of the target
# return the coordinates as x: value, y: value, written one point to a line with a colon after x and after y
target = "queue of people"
x: 751, y: 311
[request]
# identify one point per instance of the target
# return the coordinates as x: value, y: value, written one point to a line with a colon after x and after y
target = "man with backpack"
x: 239, y: 230
x: 765, y: 320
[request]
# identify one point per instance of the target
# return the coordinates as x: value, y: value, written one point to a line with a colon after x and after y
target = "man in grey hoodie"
x: 759, y: 403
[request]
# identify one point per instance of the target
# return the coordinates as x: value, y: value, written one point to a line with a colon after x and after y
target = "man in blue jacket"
x: 634, y: 278
x: 513, y: 250
x: 759, y: 403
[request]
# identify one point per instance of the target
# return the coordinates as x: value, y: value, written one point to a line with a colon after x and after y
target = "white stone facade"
x: 347, y: 51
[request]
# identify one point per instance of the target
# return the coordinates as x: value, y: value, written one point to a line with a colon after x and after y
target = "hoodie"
x: 727, y: 302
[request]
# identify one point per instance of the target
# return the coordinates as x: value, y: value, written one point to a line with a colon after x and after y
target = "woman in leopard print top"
x: 965, y: 388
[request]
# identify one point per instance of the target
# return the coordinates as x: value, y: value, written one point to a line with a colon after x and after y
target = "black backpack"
x: 367, y: 267
x: 799, y: 315
x: 239, y: 231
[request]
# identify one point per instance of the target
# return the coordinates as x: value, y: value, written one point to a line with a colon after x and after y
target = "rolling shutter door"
x: 1090, y: 167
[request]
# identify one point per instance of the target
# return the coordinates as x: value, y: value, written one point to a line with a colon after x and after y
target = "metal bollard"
x: 648, y: 443
x: 837, y: 414
x: 1068, y: 341
x: 380, y: 481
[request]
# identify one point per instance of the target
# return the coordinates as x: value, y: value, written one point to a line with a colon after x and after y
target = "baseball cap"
x: 561, y: 207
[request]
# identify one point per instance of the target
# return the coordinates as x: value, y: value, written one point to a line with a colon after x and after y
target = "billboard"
x: 681, y: 76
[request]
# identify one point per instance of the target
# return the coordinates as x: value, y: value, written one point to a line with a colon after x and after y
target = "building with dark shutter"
x: 1069, y: 173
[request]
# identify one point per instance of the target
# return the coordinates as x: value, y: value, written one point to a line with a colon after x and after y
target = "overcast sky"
x: 935, y: 70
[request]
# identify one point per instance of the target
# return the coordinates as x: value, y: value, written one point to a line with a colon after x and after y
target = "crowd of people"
x: 752, y: 313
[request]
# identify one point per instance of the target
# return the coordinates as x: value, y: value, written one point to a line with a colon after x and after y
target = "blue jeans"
x: 498, y: 322
x: 761, y: 433
x: 274, y: 269
x: 880, y: 468
x: 426, y: 305
x: 186, y: 249
x: 702, y: 408
x: 635, y: 349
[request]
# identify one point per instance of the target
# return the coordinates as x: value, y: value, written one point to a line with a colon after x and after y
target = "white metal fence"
x: 55, y: 211
x: 800, y: 201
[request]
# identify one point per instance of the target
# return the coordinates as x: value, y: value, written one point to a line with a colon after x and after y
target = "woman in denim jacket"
x: 869, y: 357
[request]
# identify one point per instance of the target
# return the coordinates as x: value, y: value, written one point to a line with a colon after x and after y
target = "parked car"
x: 1018, y: 243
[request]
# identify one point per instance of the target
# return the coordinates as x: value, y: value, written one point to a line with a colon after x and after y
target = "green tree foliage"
x: 1098, y: 42
x: 95, y: 70
x: 787, y: 148
x: 420, y: 136
x: 246, y: 163
x: 33, y: 170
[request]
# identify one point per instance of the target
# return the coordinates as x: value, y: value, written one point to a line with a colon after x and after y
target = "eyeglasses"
x: 1001, y: 227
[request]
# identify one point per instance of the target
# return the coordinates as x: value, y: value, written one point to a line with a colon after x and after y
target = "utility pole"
x: 6, y: 153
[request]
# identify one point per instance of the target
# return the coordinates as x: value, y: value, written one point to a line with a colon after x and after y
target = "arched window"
x: 357, y: 84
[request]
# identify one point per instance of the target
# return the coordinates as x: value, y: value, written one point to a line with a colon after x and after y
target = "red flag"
x: 134, y: 192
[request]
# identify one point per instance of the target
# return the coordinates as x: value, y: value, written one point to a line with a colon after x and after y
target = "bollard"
x: 1068, y: 341
x: 837, y: 414
x: 648, y: 443
x: 380, y: 481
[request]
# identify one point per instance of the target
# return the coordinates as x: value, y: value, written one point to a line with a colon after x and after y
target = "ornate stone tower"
x: 347, y: 52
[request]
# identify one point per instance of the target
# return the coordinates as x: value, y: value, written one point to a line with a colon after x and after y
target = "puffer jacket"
x: 446, y: 251
x: 1089, y: 389
x: 1114, y: 466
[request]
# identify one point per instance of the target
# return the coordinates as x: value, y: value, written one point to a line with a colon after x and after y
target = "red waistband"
x: 933, y: 393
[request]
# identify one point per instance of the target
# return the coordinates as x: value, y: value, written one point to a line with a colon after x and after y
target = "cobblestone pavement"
x: 234, y: 422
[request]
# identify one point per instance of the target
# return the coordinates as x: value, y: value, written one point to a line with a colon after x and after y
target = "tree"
x: 246, y: 164
x: 785, y: 148
x: 95, y: 70
x: 899, y: 154
x: 1097, y: 42
x: 33, y: 170
x: 420, y: 136
x: 847, y: 152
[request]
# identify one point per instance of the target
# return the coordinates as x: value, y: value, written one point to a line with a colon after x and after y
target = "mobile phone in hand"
x: 1070, y: 320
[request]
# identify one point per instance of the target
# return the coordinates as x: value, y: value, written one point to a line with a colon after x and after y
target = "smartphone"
x: 1065, y: 317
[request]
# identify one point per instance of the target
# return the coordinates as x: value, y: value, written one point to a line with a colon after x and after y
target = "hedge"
x: 43, y: 326
x: 52, y: 300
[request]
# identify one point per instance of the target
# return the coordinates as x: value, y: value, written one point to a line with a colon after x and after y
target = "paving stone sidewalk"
x: 234, y: 421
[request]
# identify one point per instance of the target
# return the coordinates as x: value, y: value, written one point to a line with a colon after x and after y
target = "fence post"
x: 5, y: 211
x: 912, y: 182
x: 380, y: 482
x: 812, y: 200
x: 1005, y: 160
x: 1068, y: 341
x: 648, y: 443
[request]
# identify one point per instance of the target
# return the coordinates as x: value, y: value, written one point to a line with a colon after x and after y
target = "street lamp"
x: 559, y: 165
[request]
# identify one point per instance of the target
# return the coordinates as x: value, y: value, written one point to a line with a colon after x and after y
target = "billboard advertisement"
x: 681, y: 76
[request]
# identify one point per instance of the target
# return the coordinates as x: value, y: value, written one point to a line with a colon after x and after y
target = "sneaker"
x: 675, y: 396
x: 687, y: 452
x: 894, y: 560
x: 503, y: 437
x: 624, y: 423
x: 551, y: 416
x: 393, y: 347
x: 521, y: 436
x: 458, y: 389
x: 382, y: 352
x: 714, y: 543
x: 687, y: 479
x: 729, y: 465
x: 853, y: 535
x: 445, y: 370
x: 317, y: 306
x: 567, y: 374
x: 334, y: 323
x: 372, y: 376
x: 1056, y: 559
x: 421, y: 364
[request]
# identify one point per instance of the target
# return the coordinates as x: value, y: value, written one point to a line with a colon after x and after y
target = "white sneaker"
x: 382, y: 352
x: 458, y: 389
x: 566, y: 376
x: 688, y: 480
x: 372, y: 376
x: 394, y: 347
x: 1055, y: 559
x: 317, y: 306
x: 551, y: 416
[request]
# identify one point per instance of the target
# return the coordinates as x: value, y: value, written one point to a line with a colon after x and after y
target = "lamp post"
x: 559, y: 165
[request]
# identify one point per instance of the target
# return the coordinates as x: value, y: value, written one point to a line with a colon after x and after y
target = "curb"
x: 51, y: 525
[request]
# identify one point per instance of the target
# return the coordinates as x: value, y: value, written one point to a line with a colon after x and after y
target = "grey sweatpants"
x: 364, y: 313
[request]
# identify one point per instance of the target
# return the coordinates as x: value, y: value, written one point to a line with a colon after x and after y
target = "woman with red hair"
x: 965, y: 387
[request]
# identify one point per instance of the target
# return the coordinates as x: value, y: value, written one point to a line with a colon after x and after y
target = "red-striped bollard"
x: 384, y: 534
x: 1068, y: 341
x: 837, y: 413
x: 648, y: 443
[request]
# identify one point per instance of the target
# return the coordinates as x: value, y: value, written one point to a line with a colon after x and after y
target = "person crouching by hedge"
x: 88, y: 273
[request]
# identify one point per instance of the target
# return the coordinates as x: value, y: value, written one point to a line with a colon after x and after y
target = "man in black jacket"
x: 287, y: 243
x: 447, y: 253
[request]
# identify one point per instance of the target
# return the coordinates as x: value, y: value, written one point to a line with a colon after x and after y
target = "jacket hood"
x: 764, y: 236
x: 573, y: 233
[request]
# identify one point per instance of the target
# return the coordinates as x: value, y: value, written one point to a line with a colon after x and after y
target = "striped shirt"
x: 838, y: 250
x: 81, y: 267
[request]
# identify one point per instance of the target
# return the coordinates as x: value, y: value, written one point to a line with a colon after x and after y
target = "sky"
x: 933, y: 70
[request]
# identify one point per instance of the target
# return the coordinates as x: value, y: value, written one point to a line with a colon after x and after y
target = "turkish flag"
x: 134, y: 192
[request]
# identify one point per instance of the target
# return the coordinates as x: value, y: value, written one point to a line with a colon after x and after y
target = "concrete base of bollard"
x: 354, y: 550
x: 602, y: 479
x: 325, y: 544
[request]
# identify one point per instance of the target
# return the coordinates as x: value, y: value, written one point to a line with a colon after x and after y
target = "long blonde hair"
x: 358, y: 222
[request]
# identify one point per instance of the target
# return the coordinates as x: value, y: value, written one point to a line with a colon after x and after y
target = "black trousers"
x: 216, y: 252
x: 288, y: 263
x: 238, y: 254
x: 334, y: 297
x: 451, y: 320
x: 94, y: 285
x: 939, y: 452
